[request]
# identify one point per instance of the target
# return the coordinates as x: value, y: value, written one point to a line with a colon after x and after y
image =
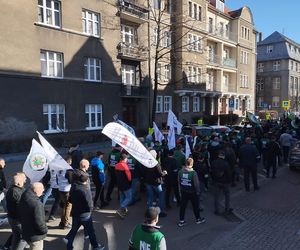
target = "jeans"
x: 112, y: 182
x: 185, y: 198
x: 46, y: 195
x: 99, y: 192
x: 272, y: 163
x: 55, y: 194
x: 87, y: 223
x: 220, y: 188
x: 17, y: 243
x: 169, y: 187
x: 125, y: 198
x: 151, y: 190
x: 135, y: 189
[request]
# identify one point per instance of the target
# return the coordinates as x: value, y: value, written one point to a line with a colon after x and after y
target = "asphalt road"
x: 267, y: 219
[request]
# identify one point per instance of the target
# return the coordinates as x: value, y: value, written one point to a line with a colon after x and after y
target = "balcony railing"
x: 132, y: 52
x: 134, y: 91
x: 222, y: 33
x: 133, y: 11
x: 202, y: 86
x: 229, y: 62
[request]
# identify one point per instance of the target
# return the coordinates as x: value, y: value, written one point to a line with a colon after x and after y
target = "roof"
x: 277, y: 37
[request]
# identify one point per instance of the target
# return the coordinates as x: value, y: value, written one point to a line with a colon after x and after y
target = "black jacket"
x: 2, y: 180
x: 153, y: 176
x: 248, y: 156
x: 32, y: 217
x: 81, y: 199
x: 220, y: 171
x: 171, y: 166
x: 13, y: 197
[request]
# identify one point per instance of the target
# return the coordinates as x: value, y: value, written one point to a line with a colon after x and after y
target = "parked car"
x: 194, y: 129
x: 295, y: 157
x: 220, y: 129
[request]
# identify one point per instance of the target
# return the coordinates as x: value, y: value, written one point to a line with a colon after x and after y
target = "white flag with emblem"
x: 36, y: 164
x: 56, y: 162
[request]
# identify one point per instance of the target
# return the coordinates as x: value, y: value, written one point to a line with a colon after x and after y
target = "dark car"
x: 194, y: 129
x: 295, y: 157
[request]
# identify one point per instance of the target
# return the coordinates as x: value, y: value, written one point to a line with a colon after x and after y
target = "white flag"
x: 157, y: 134
x: 187, y: 148
x: 56, y: 162
x: 36, y: 164
x: 172, y: 121
x: 130, y: 143
x: 171, y: 138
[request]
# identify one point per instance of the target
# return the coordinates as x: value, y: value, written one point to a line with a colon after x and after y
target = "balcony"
x: 222, y: 33
x: 229, y: 62
x: 134, y: 91
x: 132, y: 52
x: 132, y: 11
x: 213, y: 59
x: 203, y: 86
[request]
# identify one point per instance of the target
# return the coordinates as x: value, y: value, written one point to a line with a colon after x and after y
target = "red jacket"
x: 123, y: 175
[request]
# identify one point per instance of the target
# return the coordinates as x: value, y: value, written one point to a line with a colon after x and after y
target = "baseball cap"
x: 152, y: 213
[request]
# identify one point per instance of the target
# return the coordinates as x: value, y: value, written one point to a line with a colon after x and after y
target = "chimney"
x: 260, y: 36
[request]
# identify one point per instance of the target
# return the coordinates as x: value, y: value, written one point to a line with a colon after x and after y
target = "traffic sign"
x: 231, y: 105
x: 286, y: 104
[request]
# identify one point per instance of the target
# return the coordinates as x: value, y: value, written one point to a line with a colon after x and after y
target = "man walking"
x: 248, y: 158
x: 273, y: 153
x: 123, y: 176
x: 286, y: 141
x: 32, y: 217
x: 13, y: 198
x: 147, y: 235
x: 221, y: 177
x: 190, y: 190
x: 82, y: 206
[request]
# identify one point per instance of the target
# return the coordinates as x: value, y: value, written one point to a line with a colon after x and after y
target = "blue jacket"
x: 98, y: 174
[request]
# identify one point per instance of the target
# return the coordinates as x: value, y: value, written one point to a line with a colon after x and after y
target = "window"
x: 260, y: 101
x: 93, y: 116
x: 92, y: 69
x: 196, y: 104
x: 260, y: 67
x: 245, y: 33
x: 194, y: 42
x: 155, y: 36
x: 129, y: 76
x: 243, y: 81
x: 51, y: 64
x: 276, y: 83
x: 275, y: 101
x: 167, y: 103
x: 167, y: 72
x: 259, y: 84
x: 159, y: 104
x: 244, y: 57
x: 220, y: 5
x: 49, y: 12
x: 226, y: 80
x: 269, y: 49
x: 90, y: 23
x: 128, y: 34
x: 195, y: 11
x: 194, y: 74
x: 276, y: 65
x: 166, y: 39
x: 54, y: 117
x: 185, y: 104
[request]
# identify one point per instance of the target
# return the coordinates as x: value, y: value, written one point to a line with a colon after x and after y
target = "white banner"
x: 173, y: 122
x: 56, y: 162
x: 130, y: 143
x: 36, y: 164
x: 157, y: 134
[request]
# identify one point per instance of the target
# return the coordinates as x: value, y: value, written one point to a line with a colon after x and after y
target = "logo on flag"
x: 38, y: 162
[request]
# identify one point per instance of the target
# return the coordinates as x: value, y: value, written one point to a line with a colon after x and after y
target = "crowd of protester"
x: 216, y: 163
